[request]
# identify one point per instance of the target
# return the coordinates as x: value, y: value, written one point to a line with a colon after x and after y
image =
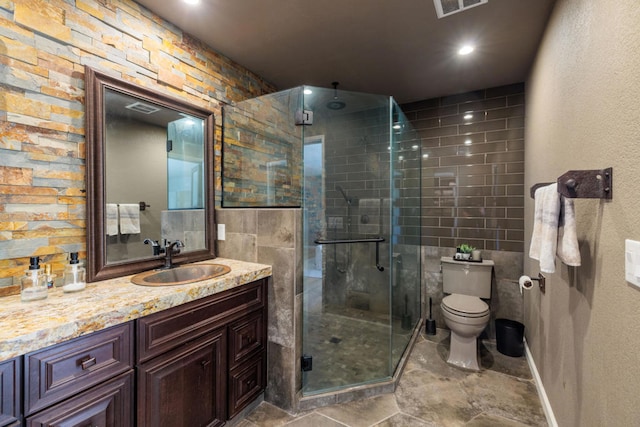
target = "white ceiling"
x: 389, y: 47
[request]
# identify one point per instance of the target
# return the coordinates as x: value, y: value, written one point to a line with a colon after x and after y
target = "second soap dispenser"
x: 74, y: 275
x: 34, y: 286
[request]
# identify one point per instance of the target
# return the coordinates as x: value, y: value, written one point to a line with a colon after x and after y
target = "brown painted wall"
x: 583, y: 113
x: 44, y: 46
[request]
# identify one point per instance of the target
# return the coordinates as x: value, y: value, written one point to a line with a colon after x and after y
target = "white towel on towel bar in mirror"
x: 554, y: 230
x: 129, y: 218
x: 112, y: 219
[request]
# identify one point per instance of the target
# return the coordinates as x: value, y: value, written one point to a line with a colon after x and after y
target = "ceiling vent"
x: 449, y: 7
x: 143, y: 108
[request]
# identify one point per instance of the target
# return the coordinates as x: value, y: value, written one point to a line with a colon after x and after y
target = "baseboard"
x: 546, y: 405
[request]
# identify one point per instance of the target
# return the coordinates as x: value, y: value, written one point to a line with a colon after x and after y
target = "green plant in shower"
x: 465, y: 249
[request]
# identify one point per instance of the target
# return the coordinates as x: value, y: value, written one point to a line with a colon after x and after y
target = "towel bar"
x: 583, y: 184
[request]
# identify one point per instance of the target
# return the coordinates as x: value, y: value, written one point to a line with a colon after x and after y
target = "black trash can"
x: 510, y: 337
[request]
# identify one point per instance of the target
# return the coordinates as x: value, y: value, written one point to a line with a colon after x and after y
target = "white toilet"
x: 465, y: 313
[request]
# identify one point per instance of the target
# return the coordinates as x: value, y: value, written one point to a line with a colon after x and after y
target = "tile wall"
x: 44, y: 46
x: 473, y: 188
x: 472, y: 168
x: 274, y: 237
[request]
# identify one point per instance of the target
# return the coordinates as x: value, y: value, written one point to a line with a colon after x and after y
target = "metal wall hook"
x: 583, y: 184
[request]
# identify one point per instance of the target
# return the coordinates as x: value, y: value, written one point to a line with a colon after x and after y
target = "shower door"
x: 351, y: 263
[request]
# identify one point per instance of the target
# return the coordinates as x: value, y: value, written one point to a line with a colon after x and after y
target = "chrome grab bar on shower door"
x: 376, y: 240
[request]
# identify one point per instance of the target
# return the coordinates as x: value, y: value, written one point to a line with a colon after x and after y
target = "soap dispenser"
x: 34, y: 284
x: 74, y: 275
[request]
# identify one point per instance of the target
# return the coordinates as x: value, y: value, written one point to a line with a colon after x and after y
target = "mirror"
x: 149, y: 176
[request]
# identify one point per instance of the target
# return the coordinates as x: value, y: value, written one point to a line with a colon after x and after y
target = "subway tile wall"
x: 472, y: 168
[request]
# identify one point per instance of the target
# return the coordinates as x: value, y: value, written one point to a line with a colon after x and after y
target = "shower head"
x: 346, y: 198
x: 335, y: 103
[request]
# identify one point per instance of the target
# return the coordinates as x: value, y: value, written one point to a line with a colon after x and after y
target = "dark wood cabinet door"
x: 10, y: 392
x: 185, y: 387
x: 107, y: 405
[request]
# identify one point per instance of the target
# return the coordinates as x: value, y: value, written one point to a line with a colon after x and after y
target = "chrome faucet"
x: 171, y: 249
x: 168, y: 250
x: 157, y: 250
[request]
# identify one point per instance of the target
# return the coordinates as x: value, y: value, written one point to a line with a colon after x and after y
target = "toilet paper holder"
x: 540, y: 279
x: 541, y: 282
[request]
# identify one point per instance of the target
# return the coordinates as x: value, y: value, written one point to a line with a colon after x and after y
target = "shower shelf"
x: 376, y: 240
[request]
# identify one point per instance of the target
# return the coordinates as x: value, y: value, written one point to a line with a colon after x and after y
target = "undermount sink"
x: 180, y: 275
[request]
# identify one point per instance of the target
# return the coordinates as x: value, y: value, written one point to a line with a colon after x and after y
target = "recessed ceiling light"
x: 468, y: 116
x: 192, y: 1
x: 467, y: 142
x: 466, y: 49
x: 308, y: 91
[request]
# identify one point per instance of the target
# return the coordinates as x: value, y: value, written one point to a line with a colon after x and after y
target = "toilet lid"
x: 465, y: 305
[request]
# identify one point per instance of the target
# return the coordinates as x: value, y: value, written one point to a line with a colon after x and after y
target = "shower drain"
x: 335, y: 340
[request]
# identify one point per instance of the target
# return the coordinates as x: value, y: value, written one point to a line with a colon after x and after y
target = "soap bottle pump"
x: 34, y: 285
x: 74, y: 275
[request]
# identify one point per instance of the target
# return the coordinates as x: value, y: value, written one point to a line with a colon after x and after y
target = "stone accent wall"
x: 44, y: 46
x: 262, y: 152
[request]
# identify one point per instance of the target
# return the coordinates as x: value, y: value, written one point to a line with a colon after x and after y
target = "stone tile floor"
x: 432, y: 393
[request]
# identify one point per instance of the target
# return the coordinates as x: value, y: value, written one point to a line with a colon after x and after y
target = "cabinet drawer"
x: 163, y: 331
x: 110, y: 404
x: 10, y: 391
x: 63, y: 370
x: 246, y: 337
x: 246, y: 382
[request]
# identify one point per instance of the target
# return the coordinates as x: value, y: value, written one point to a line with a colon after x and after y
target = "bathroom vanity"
x: 181, y: 356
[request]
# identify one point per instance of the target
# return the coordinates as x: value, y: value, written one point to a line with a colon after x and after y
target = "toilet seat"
x: 465, y: 306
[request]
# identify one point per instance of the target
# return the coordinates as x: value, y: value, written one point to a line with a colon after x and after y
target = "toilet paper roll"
x: 525, y: 283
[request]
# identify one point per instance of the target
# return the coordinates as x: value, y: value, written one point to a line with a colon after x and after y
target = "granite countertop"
x: 30, y: 326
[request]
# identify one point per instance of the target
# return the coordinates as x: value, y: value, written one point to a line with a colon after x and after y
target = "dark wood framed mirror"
x: 149, y: 176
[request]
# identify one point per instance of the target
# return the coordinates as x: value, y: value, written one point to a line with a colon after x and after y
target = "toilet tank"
x: 466, y: 277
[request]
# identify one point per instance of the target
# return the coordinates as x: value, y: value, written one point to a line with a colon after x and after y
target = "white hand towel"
x: 544, y: 238
x: 129, y: 218
x: 112, y: 219
x: 568, y: 249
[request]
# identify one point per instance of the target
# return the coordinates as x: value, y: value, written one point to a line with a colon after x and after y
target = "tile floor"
x: 432, y: 393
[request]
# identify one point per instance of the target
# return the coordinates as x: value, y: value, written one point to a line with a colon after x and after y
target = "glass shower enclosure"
x: 351, y: 161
